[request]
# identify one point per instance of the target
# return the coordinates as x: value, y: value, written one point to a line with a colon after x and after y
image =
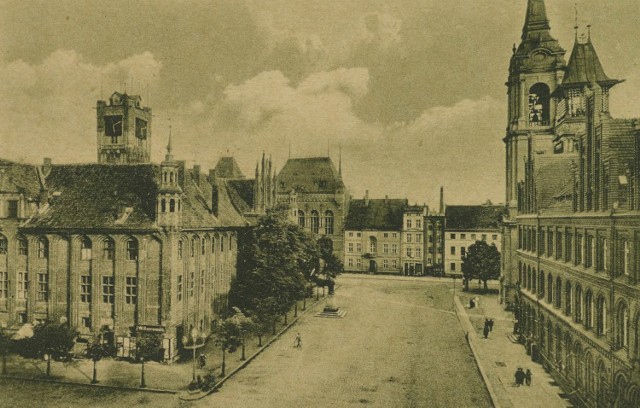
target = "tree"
x: 50, y: 341
x: 482, y: 261
x: 244, y: 326
x: 96, y: 351
x: 147, y: 348
x: 228, y: 339
x: 6, y: 346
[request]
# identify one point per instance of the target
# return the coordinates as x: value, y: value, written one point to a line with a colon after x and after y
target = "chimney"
x: 441, y: 200
x: 366, y: 198
x: 196, y: 173
x: 46, y: 166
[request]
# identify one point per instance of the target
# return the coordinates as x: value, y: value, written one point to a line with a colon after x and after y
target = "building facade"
x: 574, y: 226
x: 116, y: 250
x: 466, y: 224
x: 314, y: 191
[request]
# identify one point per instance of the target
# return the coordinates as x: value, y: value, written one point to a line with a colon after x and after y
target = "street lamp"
x: 194, y: 346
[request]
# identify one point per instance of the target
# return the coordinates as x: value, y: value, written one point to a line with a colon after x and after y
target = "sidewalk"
x: 498, y: 357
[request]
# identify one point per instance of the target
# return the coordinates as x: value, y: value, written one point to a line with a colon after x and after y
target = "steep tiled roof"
x: 552, y: 178
x: 310, y: 175
x: 474, y: 217
x: 241, y: 194
x: 383, y: 214
x: 19, y: 178
x: 96, y: 196
x: 584, y: 67
x: 227, y: 167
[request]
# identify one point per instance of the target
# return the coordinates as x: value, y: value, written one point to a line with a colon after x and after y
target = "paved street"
x: 399, y: 345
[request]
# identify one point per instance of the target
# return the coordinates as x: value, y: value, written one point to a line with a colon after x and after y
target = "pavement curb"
x: 233, y: 372
x: 89, y: 385
x: 471, y: 337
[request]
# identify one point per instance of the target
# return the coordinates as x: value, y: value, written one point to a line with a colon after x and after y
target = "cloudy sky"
x: 413, y: 90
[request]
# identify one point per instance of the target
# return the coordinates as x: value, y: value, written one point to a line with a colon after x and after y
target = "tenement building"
x: 466, y: 224
x: 574, y: 219
x: 116, y: 250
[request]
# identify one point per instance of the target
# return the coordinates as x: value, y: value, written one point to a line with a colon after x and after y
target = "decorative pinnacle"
x: 169, y: 156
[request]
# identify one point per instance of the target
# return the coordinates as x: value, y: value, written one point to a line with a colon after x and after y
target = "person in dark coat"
x: 527, y: 377
x: 490, y: 324
x: 520, y: 376
x: 486, y: 331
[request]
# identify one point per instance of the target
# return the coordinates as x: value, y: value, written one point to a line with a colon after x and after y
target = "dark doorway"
x: 373, y: 266
x: 179, y: 336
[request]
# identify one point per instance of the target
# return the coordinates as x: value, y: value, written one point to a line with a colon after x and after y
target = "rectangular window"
x: 494, y: 237
x: 43, y: 250
x: 3, y: 246
x: 453, y: 250
x: 394, y: 235
x: 385, y: 263
x: 358, y: 248
x: 192, y: 248
x: 452, y: 236
x: 385, y: 248
x: 12, y: 209
x: 86, y: 322
x: 394, y: 263
x: 43, y: 287
x: 202, y: 281
x: 409, y: 252
x: 132, y: 250
x: 484, y: 237
x: 85, y: 288
x: 394, y: 248
x: 558, y: 245
x: 108, y: 289
x: 579, y: 248
x: 418, y: 223
x: 358, y: 234
x: 350, y: 247
x: 109, y: 250
x: 180, y: 249
x: 453, y: 266
x: 23, y: 285
x: 350, y: 262
x: 179, y: 288
x: 202, y: 246
x: 359, y: 262
x: 191, y: 283
x: 131, y: 290
x: 386, y: 235
x: 351, y: 235
x: 463, y: 236
x: 463, y: 251
x: 419, y: 238
x: 418, y: 252
x: 408, y: 223
x: 473, y: 237
x: 568, y: 254
x: 408, y: 237
x: 4, y: 285
x: 430, y: 227
x: 23, y: 248
x: 213, y: 245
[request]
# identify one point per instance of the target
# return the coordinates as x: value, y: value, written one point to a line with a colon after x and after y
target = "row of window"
x: 42, y: 294
x: 483, y: 237
x: 589, y: 250
x: 463, y: 251
x: 385, y: 263
x: 313, y: 221
x: 418, y: 223
x: 173, y: 204
x: 203, y: 246
x: 109, y: 289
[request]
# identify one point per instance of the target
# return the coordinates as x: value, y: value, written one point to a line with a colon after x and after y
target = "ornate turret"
x: 169, y: 201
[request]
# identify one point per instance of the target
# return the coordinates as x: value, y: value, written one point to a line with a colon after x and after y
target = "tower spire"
x: 536, y: 19
x: 169, y: 155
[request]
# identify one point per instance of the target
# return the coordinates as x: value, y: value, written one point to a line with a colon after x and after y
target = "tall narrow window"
x: 163, y: 203
x: 191, y: 283
x: 132, y: 249
x: 131, y: 290
x: 109, y: 249
x: 108, y: 290
x: 23, y: 247
x: 315, y: 222
x: 202, y: 281
x: 43, y: 286
x: 179, y: 288
x: 180, y: 249
x: 85, y: 249
x: 626, y: 257
x: 23, y: 285
x: 43, y: 248
x: 192, y: 248
x: 203, y: 246
x: 172, y: 205
x: 4, y: 285
x: 85, y: 288
x: 3, y: 245
x: 328, y: 222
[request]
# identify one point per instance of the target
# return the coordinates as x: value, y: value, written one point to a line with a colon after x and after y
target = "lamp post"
x: 143, y: 384
x: 194, y: 346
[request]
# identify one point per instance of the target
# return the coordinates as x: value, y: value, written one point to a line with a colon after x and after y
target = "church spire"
x: 169, y: 155
x: 536, y: 19
x: 536, y: 33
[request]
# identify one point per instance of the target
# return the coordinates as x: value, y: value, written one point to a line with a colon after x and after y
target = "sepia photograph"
x: 320, y: 203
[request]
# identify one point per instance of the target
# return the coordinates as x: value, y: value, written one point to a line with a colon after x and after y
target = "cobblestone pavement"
x: 500, y: 357
x: 399, y: 345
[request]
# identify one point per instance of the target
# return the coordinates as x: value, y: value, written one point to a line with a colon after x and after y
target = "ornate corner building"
x: 119, y: 247
x: 573, y: 229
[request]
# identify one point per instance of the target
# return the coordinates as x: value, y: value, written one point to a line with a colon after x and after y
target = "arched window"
x: 601, y: 316
x: 579, y: 363
x: 626, y: 257
x: 43, y: 248
x: 301, y: 221
x: 109, y: 249
x: 132, y: 249
x: 588, y: 310
x: 172, y: 205
x: 534, y: 281
x: 557, y: 298
x: 590, y: 373
x: 328, y: 222
x: 315, y: 222
x: 85, y: 249
x: 539, y: 105
x: 549, y: 289
x: 4, y: 245
x: 622, y: 326
x: 163, y: 205
x: 578, y: 303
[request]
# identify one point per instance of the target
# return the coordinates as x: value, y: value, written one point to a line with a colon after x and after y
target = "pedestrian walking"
x: 298, y: 341
x: 490, y: 325
x: 486, y: 331
x: 527, y: 377
x: 202, y: 360
x: 520, y: 376
x: 472, y: 303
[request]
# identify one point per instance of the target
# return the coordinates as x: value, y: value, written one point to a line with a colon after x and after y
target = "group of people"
x: 488, y: 327
x: 523, y: 377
